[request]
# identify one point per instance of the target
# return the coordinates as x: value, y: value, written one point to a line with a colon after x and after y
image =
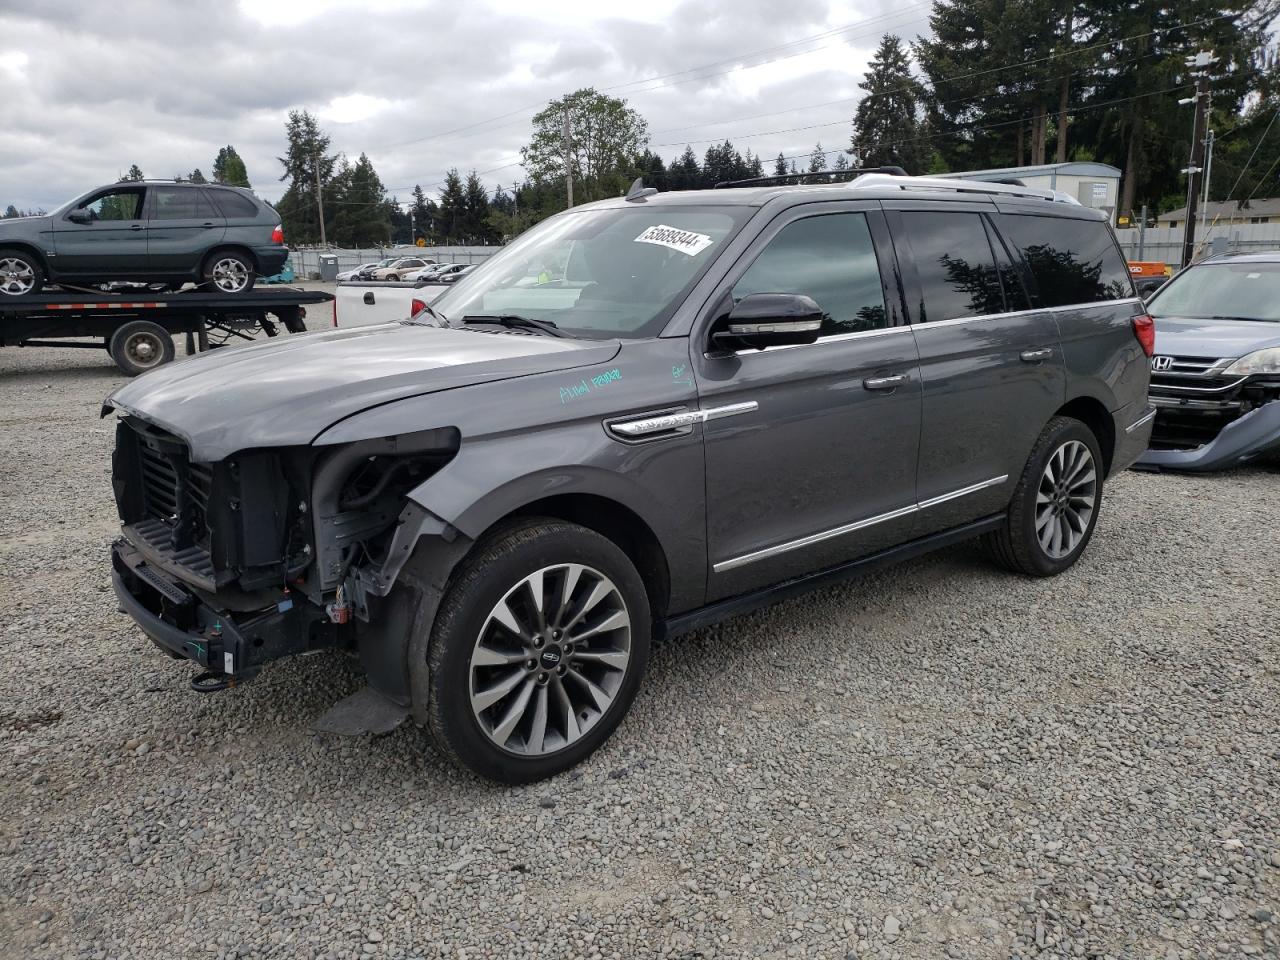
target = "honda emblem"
x: 1160, y: 364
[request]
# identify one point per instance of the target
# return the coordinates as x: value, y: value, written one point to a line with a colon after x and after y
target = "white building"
x: 1093, y: 184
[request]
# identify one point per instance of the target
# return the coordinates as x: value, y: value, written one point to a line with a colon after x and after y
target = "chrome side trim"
x: 962, y: 492
x: 675, y: 421
x: 763, y: 554
x: 956, y: 321
x: 834, y: 338
x: 1141, y: 421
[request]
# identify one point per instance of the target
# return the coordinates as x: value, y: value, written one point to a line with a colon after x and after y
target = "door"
x: 181, y: 226
x: 111, y: 240
x: 810, y: 449
x: 991, y: 367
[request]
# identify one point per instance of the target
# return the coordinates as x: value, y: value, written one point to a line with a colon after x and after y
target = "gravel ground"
x: 938, y: 761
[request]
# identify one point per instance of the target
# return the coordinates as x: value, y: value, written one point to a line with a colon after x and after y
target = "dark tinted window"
x: 179, y: 203
x: 829, y: 258
x: 1072, y: 261
x: 954, y: 262
x: 1015, y: 294
x: 234, y: 204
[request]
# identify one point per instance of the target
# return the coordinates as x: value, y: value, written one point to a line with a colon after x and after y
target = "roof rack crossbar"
x: 828, y: 176
x: 962, y: 186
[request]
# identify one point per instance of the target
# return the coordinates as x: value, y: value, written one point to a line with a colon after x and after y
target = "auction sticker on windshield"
x: 686, y: 241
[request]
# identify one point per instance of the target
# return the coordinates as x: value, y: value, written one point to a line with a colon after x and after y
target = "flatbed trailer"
x: 137, y: 328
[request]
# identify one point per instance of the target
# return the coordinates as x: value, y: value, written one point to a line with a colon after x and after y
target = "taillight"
x: 1144, y: 328
x: 277, y: 235
x: 416, y: 306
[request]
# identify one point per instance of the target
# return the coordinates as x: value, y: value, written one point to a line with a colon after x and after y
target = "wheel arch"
x: 1093, y: 413
x: 232, y: 248
x: 26, y: 246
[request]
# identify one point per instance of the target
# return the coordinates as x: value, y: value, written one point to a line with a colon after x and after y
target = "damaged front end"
x: 267, y: 553
x: 1211, y: 414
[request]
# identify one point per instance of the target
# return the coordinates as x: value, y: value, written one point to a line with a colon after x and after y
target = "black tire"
x: 21, y: 273
x: 1018, y: 545
x: 491, y: 573
x: 229, y: 271
x: 139, y: 346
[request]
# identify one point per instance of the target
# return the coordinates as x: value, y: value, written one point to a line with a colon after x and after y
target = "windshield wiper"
x: 1219, y: 316
x: 516, y: 322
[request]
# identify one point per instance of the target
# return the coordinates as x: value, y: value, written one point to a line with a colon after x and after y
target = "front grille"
x: 172, y: 501
x: 1194, y: 400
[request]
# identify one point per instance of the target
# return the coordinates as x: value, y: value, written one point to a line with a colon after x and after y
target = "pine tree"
x: 229, y: 168
x: 135, y: 173
x: 362, y: 217
x: 817, y: 159
x: 684, y: 172
x: 887, y: 128
x: 780, y: 166
x: 196, y: 176
x: 424, y: 215
x: 476, y: 204
x: 11, y: 212
x: 842, y: 161
x: 307, y: 153
x: 453, y: 208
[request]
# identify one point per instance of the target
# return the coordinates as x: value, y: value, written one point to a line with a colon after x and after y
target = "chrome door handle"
x: 885, y: 383
x: 1035, y: 356
x: 136, y: 226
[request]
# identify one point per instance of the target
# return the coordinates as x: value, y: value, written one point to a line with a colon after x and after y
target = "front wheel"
x: 228, y: 271
x: 1054, y: 509
x: 20, y: 274
x: 537, y: 651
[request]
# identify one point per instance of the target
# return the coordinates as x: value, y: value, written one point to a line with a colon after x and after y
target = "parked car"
x: 398, y: 269
x: 1147, y: 286
x: 1216, y: 371
x: 145, y: 231
x: 361, y: 270
x: 644, y: 415
x: 430, y: 271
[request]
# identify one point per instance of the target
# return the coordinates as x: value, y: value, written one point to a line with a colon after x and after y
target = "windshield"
x: 1244, y: 291
x: 599, y: 273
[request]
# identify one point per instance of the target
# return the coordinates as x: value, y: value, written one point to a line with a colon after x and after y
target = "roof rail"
x: 828, y: 176
x: 962, y: 186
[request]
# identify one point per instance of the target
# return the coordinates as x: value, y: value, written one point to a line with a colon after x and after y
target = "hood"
x: 286, y: 391
x: 1186, y: 337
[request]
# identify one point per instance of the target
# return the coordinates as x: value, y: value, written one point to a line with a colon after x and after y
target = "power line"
x: 1243, y: 170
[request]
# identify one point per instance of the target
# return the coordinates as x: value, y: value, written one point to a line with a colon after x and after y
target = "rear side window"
x: 954, y: 262
x: 234, y: 204
x: 830, y: 258
x: 1072, y: 261
x: 179, y: 203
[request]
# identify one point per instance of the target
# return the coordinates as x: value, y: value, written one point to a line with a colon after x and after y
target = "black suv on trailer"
x: 149, y: 231
x: 643, y: 415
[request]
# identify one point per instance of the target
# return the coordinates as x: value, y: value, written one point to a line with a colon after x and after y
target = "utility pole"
x: 1208, y: 169
x: 320, y: 200
x: 568, y: 160
x: 1200, y: 64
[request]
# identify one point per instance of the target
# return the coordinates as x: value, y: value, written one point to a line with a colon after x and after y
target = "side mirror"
x: 769, y: 320
x: 79, y: 215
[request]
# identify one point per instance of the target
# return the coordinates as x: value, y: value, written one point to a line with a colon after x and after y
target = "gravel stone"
x: 1003, y: 768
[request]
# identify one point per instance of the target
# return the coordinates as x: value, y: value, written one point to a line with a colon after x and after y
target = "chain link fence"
x: 306, y: 260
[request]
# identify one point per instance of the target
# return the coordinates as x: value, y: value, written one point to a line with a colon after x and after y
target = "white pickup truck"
x: 360, y: 303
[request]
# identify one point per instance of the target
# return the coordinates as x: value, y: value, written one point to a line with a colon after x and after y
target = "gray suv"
x: 148, y: 231
x: 642, y: 416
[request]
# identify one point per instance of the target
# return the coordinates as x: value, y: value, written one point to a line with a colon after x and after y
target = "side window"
x: 233, y: 204
x: 953, y: 259
x: 178, y: 203
x: 116, y: 205
x: 1015, y: 294
x: 830, y: 258
x: 1072, y: 261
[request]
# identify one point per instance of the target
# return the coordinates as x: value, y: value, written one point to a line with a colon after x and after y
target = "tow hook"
x: 211, y: 681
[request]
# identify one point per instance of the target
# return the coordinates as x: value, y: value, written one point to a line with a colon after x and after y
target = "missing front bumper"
x: 1255, y: 433
x: 185, y: 627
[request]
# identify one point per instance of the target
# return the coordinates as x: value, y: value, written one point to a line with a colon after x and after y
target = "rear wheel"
x: 20, y: 274
x: 228, y: 271
x: 1054, y: 509
x: 537, y: 651
x: 141, y: 345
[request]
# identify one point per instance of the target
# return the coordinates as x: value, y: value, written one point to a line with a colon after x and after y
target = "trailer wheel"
x: 20, y: 273
x: 141, y: 345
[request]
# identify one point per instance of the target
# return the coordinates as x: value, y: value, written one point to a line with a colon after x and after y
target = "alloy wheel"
x: 550, y: 659
x: 1066, y: 499
x: 16, y: 277
x: 230, y: 275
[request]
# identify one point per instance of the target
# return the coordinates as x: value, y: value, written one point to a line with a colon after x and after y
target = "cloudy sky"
x: 420, y: 85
